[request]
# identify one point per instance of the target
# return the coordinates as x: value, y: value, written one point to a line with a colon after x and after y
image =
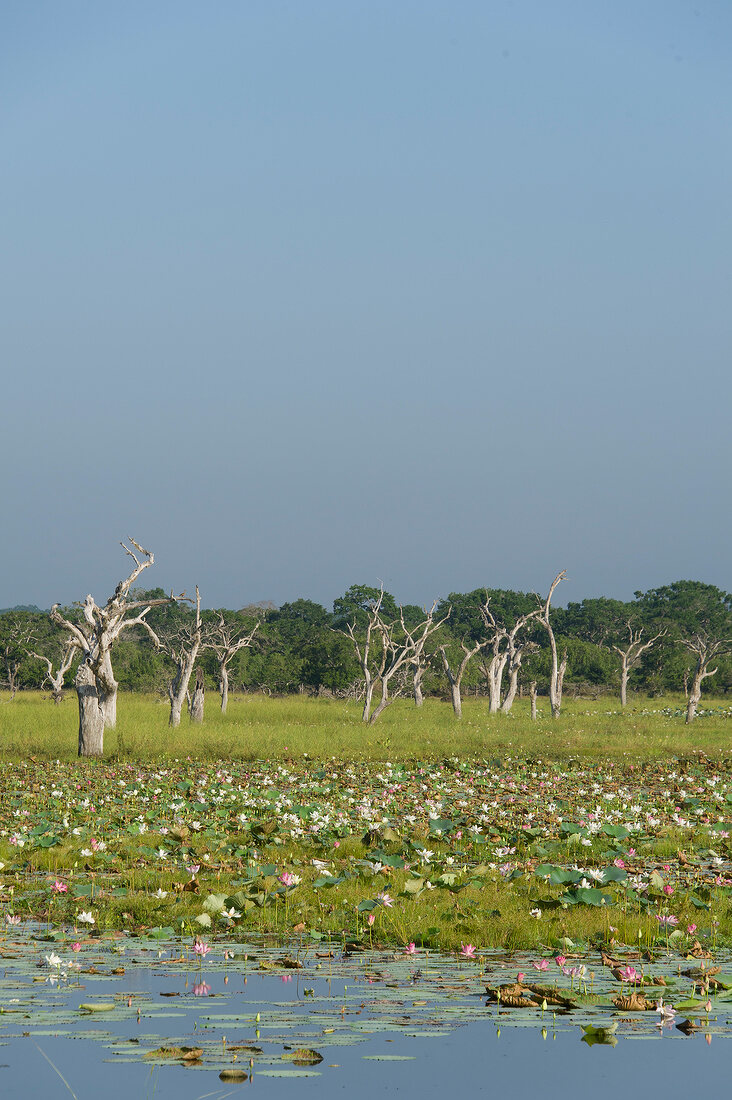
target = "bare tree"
x: 631, y: 653
x: 507, y: 647
x: 401, y: 646
x: 706, y: 649
x: 517, y: 650
x: 56, y: 679
x: 385, y: 648
x: 13, y: 649
x: 421, y: 660
x: 532, y: 695
x: 182, y: 646
x: 197, y: 699
x: 556, y: 678
x: 94, y: 637
x: 225, y: 640
x: 455, y: 675
x: 364, y: 651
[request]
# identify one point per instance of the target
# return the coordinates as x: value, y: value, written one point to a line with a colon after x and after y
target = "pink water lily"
x: 410, y: 949
x: 543, y: 964
x: 467, y: 950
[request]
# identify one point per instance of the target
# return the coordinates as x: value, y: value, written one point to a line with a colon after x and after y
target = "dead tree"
x: 364, y: 651
x: 401, y: 646
x: 706, y: 649
x: 94, y: 638
x: 182, y: 647
x: 13, y: 649
x: 197, y: 699
x: 385, y: 648
x: 517, y: 650
x: 631, y: 654
x: 422, y: 659
x: 507, y: 648
x: 225, y: 640
x: 455, y: 676
x: 532, y: 695
x: 56, y: 679
x: 556, y: 678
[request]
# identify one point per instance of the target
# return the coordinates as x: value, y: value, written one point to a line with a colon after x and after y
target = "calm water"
x: 383, y: 1024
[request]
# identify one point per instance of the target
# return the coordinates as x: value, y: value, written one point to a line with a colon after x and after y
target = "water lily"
x: 85, y: 918
x: 410, y: 949
x: 59, y: 887
x: 467, y: 950
x: 543, y: 964
x: 201, y: 948
x: 385, y: 900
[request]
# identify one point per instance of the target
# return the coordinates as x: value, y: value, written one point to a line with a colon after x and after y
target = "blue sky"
x: 309, y: 294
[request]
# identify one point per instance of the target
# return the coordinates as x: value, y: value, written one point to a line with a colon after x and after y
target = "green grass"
x: 649, y: 754
x: 259, y: 728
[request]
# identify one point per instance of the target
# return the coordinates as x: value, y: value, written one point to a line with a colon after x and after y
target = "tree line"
x: 493, y: 642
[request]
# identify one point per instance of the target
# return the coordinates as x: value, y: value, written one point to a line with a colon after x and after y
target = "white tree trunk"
x: 224, y: 688
x: 695, y: 691
x: 196, y: 711
x: 367, y: 699
x: 107, y: 687
x: 495, y: 677
x: 176, y: 706
x: 624, y: 673
x: 383, y: 701
x: 418, y: 677
x: 457, y: 703
x: 91, y: 716
x: 532, y: 693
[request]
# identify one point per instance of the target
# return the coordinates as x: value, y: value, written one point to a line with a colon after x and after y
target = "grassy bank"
x: 259, y: 728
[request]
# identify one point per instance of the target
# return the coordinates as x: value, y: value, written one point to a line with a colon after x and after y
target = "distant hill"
x: 24, y: 607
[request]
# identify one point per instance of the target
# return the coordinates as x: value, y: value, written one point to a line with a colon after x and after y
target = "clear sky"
x: 312, y: 293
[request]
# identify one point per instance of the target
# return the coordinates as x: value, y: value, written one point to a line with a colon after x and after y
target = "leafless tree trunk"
x: 196, y: 707
x: 224, y: 687
x: 556, y: 679
x: 631, y: 654
x: 226, y: 640
x: 532, y: 693
x: 56, y: 679
x: 401, y: 646
x: 94, y: 637
x: 454, y: 677
x: 364, y: 655
x: 13, y: 650
x: 706, y: 649
x: 507, y: 648
x: 417, y: 677
x: 516, y: 653
x: 91, y: 715
x: 183, y: 647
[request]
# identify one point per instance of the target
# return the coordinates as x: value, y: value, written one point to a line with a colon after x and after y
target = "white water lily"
x: 85, y: 918
x: 161, y: 893
x: 53, y: 961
